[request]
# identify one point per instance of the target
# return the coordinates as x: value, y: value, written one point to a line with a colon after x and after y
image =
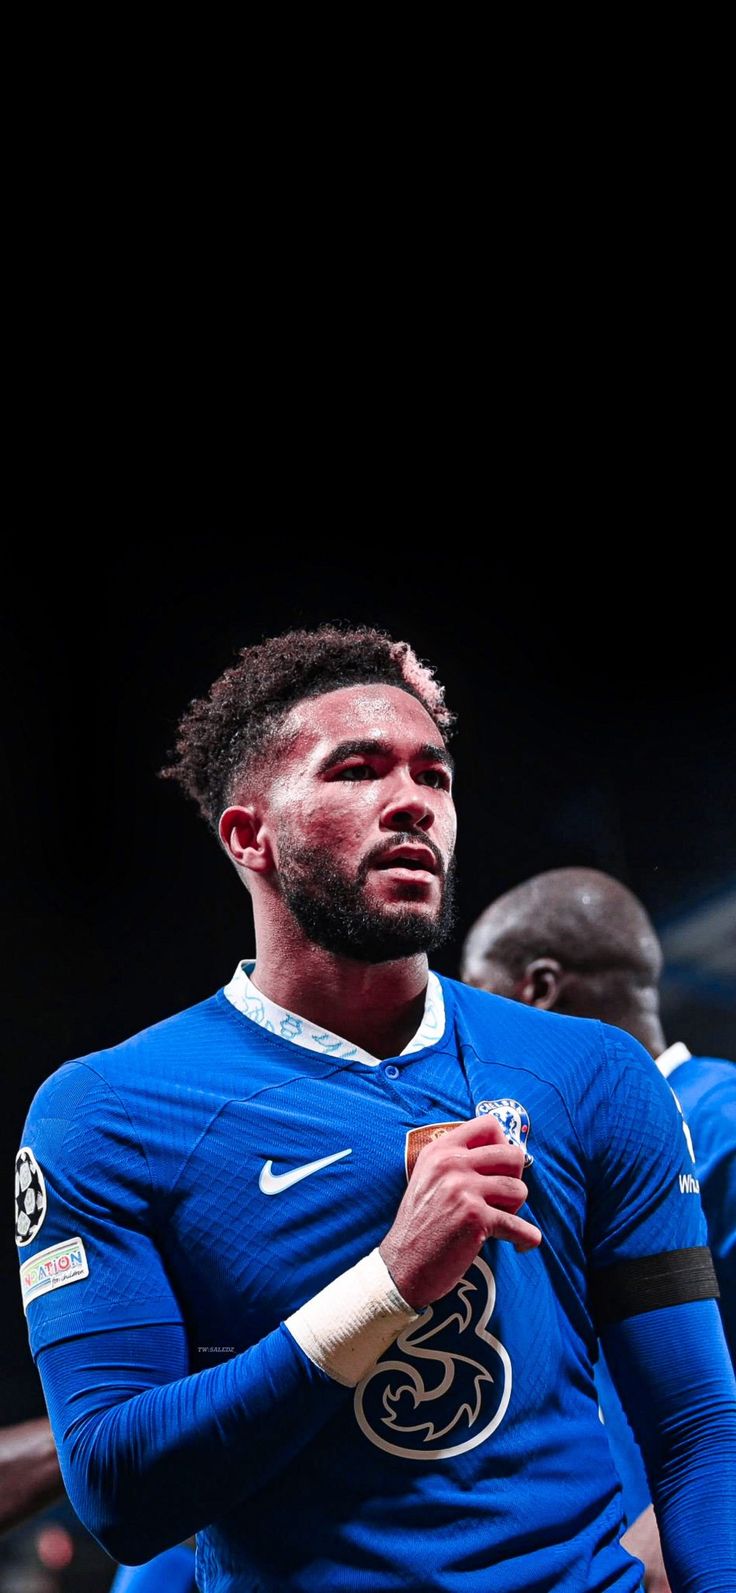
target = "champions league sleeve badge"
x: 30, y: 1196
x: 514, y: 1120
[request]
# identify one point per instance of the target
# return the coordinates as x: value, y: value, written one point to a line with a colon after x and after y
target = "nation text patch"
x: 52, y: 1268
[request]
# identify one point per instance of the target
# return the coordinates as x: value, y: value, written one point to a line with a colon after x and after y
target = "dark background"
x: 593, y: 678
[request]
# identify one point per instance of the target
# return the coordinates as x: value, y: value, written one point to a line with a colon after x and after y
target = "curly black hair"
x: 222, y: 735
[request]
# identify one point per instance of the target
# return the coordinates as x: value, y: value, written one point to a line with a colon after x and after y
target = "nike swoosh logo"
x: 271, y: 1183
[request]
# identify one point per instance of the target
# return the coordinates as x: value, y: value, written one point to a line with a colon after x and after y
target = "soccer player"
x: 286, y: 1284
x: 577, y: 941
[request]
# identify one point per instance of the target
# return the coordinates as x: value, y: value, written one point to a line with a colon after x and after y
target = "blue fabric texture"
x: 170, y: 1572
x: 705, y: 1086
x: 684, y: 1426
x: 179, y: 1401
x: 706, y: 1090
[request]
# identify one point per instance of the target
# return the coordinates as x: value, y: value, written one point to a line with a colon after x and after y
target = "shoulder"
x: 172, y: 1046
x: 704, y: 1080
x: 123, y: 1119
x: 547, y: 1038
x: 586, y: 1062
x: 177, y: 1040
x: 705, y: 1086
x: 709, y: 1071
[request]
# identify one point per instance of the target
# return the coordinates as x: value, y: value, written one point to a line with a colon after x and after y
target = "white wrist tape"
x: 347, y: 1326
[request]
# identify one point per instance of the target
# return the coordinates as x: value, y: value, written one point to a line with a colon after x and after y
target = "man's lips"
x: 419, y: 858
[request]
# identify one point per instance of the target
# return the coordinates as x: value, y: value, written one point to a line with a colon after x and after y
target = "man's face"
x: 363, y: 823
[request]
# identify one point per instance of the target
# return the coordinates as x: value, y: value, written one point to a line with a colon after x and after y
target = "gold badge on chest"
x: 417, y: 1138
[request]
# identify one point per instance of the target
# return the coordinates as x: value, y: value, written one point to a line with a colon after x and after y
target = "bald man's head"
x: 571, y: 940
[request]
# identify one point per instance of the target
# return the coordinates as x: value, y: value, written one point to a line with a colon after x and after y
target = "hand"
x: 465, y: 1188
x: 642, y: 1540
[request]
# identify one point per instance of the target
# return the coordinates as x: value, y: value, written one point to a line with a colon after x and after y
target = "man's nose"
x: 407, y: 807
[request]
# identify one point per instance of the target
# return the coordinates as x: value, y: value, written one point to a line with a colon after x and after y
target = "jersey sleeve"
x: 173, y: 1571
x: 151, y: 1453
x: 672, y: 1370
x: 714, y: 1136
x: 85, y: 1215
x: 635, y: 1490
x: 646, y: 1235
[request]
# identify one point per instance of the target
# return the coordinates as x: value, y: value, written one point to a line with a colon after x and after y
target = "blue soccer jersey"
x: 170, y: 1572
x: 705, y: 1087
x: 198, y: 1183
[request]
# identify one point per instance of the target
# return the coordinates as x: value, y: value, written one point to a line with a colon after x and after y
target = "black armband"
x: 644, y: 1284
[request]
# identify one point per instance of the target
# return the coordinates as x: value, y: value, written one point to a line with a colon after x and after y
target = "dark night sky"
x: 596, y: 726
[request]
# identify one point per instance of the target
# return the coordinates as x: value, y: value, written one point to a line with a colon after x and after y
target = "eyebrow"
x: 372, y: 748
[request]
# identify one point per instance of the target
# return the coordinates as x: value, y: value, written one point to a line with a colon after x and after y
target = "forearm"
x: 150, y: 1455
x: 29, y: 1469
x: 674, y: 1376
x: 718, y: 1187
x: 695, y: 1505
x: 145, y: 1472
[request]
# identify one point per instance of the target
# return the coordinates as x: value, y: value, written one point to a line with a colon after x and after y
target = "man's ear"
x: 540, y: 983
x: 244, y: 835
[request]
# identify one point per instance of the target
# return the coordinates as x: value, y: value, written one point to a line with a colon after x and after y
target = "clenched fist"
x: 466, y: 1187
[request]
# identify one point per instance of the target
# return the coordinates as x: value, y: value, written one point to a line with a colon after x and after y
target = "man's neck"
x: 647, y: 1029
x: 612, y: 998
x: 377, y: 1006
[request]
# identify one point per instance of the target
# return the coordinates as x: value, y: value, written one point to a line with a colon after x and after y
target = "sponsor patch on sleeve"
x: 52, y: 1269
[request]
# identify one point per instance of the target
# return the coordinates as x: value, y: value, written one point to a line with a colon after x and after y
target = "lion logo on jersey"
x: 514, y: 1120
x: 445, y: 1385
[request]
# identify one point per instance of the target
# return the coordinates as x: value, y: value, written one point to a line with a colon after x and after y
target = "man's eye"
x: 435, y: 777
x: 356, y: 771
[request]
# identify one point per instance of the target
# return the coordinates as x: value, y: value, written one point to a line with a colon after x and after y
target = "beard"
x: 332, y: 911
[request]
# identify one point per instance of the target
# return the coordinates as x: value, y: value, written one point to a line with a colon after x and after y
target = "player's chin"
x: 405, y: 911
x: 423, y: 892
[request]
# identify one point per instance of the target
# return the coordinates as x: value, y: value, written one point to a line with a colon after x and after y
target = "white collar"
x: 672, y: 1058
x: 290, y: 1026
